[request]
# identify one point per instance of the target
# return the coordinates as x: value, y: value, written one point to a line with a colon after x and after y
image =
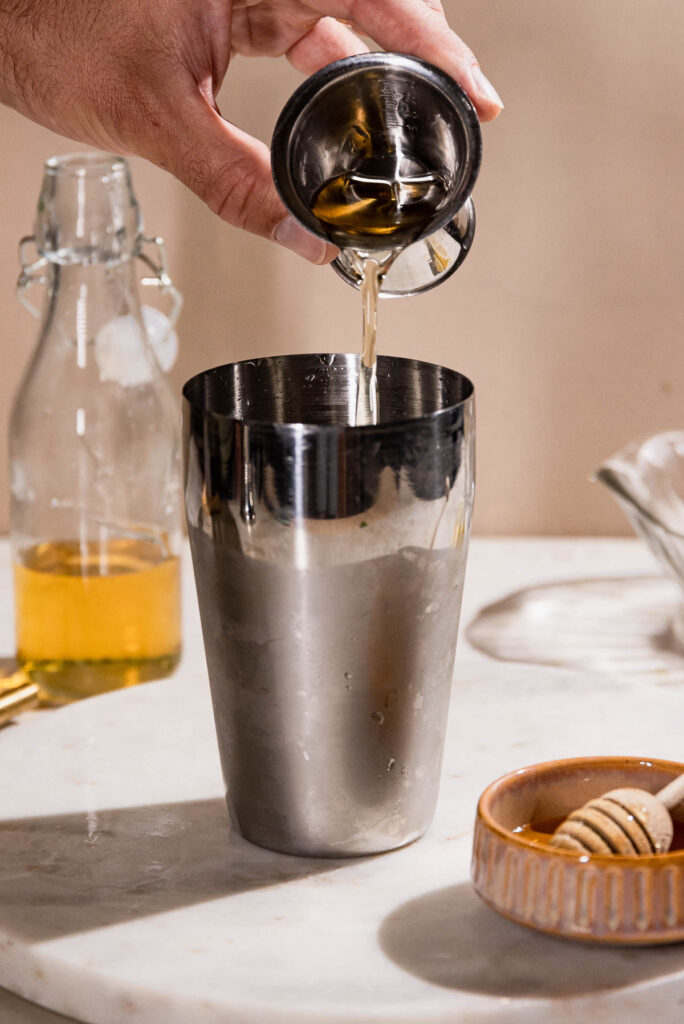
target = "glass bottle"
x: 94, y: 447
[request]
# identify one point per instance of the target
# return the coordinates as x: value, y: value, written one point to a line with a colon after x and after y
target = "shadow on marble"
x: 451, y: 938
x: 14, y: 1010
x: 615, y: 626
x: 72, y: 873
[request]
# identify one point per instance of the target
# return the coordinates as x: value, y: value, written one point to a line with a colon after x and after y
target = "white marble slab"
x: 124, y: 895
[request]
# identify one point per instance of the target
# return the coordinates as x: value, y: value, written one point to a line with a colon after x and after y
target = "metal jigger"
x: 410, y: 113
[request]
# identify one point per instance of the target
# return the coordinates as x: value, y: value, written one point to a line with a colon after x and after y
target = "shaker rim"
x: 197, y: 405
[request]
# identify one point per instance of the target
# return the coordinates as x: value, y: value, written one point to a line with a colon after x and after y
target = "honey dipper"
x: 628, y: 822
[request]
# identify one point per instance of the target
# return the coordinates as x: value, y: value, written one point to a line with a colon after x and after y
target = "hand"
x: 141, y: 78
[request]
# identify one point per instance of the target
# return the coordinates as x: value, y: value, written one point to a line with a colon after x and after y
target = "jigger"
x: 401, y: 112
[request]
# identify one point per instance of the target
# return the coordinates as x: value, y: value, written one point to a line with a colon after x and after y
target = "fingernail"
x: 485, y: 87
x: 293, y: 236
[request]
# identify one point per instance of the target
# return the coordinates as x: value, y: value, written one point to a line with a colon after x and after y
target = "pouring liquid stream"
x: 384, y: 204
x: 372, y: 270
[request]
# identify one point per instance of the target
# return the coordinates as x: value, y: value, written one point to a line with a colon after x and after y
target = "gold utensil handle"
x: 14, y: 699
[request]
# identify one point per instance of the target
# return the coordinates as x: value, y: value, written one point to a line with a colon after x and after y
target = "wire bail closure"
x: 35, y: 272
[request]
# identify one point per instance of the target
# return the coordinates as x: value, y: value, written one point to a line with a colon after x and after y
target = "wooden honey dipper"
x: 627, y: 822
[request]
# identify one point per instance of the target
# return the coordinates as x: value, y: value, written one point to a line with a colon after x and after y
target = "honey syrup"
x: 539, y: 832
x: 96, y: 617
x: 393, y: 207
x: 374, y: 202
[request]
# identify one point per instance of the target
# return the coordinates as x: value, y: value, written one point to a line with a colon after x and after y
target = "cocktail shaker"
x: 329, y: 564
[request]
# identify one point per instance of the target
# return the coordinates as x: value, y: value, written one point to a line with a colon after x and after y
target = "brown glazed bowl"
x: 624, y: 900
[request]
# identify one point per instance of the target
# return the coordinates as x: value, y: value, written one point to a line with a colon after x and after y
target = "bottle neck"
x: 87, y: 212
x: 85, y: 298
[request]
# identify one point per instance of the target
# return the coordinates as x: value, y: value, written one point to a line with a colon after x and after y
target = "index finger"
x: 419, y: 28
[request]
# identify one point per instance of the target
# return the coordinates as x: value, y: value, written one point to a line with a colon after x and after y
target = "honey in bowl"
x: 539, y: 833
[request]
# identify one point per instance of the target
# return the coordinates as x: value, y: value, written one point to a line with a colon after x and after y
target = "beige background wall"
x: 569, y: 312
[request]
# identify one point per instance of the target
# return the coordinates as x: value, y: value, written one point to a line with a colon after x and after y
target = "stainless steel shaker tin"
x: 329, y: 564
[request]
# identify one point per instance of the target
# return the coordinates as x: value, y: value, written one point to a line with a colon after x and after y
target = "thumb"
x: 231, y: 172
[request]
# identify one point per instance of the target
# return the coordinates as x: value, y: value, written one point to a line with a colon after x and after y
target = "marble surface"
x: 125, y: 896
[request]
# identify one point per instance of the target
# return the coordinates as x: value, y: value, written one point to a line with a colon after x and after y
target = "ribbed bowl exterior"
x: 622, y: 900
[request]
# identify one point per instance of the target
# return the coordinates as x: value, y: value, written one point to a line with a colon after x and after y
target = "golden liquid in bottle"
x: 393, y: 208
x: 92, y: 618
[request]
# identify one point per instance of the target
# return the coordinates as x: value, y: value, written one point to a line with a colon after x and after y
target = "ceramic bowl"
x: 624, y: 900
